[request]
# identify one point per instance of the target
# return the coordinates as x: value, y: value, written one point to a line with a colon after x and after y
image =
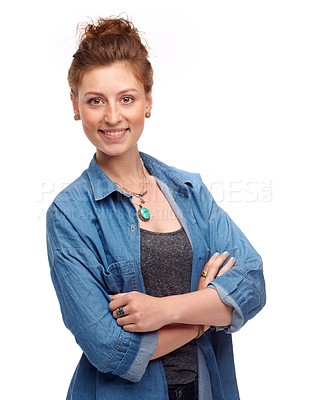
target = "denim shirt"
x: 93, y: 242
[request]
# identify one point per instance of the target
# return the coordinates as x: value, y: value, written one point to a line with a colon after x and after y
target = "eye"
x: 127, y: 100
x: 95, y: 101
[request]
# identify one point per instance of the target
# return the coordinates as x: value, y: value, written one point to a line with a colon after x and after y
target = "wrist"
x: 171, y: 310
x: 177, y: 308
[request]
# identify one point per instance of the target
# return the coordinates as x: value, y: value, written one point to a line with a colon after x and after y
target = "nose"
x: 112, y: 114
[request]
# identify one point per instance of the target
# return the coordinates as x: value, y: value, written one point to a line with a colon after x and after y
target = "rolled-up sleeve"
x: 84, y: 303
x: 242, y: 287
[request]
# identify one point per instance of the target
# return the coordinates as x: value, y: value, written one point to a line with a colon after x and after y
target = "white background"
x: 231, y: 99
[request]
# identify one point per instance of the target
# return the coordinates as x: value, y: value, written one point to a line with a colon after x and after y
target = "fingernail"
x: 225, y: 253
x: 216, y: 254
x: 232, y: 259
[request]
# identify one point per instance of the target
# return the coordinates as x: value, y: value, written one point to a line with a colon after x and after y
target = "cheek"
x: 138, y: 124
x: 138, y: 118
x: 89, y: 119
x: 89, y: 125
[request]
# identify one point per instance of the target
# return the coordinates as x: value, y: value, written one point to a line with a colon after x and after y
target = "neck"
x: 125, y: 169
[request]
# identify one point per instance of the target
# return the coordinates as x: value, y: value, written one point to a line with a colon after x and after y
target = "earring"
x: 76, y: 117
x: 148, y: 114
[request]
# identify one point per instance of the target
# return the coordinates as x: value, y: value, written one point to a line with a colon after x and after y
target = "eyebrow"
x: 121, y: 92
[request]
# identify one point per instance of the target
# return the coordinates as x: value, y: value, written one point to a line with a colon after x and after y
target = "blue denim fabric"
x: 93, y: 242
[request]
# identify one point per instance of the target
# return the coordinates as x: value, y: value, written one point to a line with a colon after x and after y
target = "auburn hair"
x: 108, y: 41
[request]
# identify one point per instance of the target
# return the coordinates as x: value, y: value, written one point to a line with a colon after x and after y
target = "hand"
x: 143, y: 313
x: 212, y: 267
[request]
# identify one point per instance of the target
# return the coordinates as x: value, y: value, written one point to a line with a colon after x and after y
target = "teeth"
x: 117, y: 133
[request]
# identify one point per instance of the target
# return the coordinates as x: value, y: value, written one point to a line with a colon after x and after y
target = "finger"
x: 115, y: 296
x: 229, y: 264
x: 214, y: 267
x: 207, y: 266
x: 204, y: 280
x: 118, y: 312
x: 216, y: 260
x: 130, y: 328
x: 121, y: 321
x: 117, y: 302
x: 210, y: 261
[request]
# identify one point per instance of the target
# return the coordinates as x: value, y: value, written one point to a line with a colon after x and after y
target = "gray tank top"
x: 166, y: 264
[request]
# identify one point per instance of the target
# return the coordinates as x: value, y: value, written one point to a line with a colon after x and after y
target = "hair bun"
x: 107, y: 41
x: 109, y: 26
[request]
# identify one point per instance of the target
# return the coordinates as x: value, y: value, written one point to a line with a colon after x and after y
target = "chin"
x: 114, y: 151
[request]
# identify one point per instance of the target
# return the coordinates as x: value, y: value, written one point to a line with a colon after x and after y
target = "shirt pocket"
x: 120, y: 277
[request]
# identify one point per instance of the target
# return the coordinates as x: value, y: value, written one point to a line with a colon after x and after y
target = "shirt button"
x: 132, y: 228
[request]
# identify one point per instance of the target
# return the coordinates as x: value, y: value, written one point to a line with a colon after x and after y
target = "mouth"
x: 113, y: 133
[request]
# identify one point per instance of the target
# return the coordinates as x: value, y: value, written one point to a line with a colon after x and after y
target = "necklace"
x: 143, y: 212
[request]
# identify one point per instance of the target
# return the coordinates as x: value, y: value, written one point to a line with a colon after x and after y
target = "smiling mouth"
x: 113, y: 132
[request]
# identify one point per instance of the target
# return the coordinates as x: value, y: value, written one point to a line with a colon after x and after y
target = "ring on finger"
x: 120, y: 312
x: 204, y: 274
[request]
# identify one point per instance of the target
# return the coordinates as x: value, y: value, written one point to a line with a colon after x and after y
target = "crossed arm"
x: 177, y: 317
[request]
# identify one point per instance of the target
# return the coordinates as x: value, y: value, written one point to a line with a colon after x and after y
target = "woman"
x: 131, y: 225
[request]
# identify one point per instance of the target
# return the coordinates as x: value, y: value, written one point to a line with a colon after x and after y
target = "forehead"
x: 113, y: 78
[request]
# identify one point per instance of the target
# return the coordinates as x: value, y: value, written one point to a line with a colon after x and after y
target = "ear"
x: 149, y: 101
x: 74, y: 103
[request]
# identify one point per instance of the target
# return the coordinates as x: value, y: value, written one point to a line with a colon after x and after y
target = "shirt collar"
x: 103, y: 186
x: 176, y: 179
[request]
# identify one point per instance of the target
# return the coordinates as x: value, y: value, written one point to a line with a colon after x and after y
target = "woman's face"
x: 112, y: 104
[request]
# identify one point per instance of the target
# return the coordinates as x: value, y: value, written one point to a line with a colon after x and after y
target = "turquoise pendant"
x: 143, y: 214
